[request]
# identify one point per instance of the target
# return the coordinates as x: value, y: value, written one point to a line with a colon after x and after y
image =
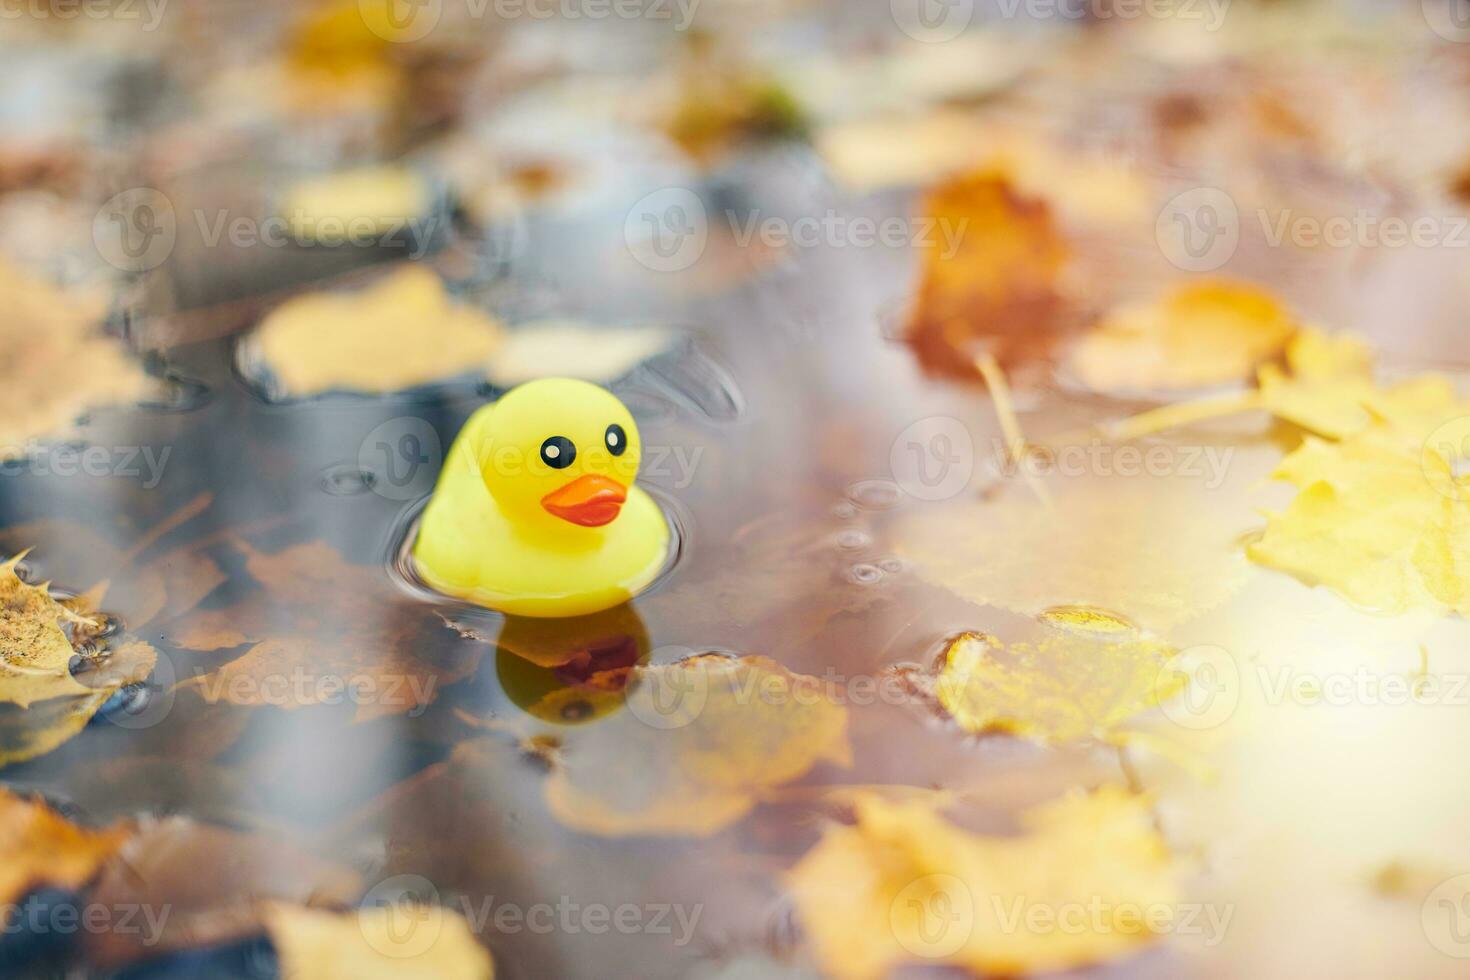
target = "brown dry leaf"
x: 392, y: 942
x: 43, y: 849
x: 403, y: 331
x: 694, y: 747
x: 904, y: 885
x: 1137, y: 548
x: 1068, y: 686
x: 55, y: 364
x: 320, y: 631
x: 997, y: 286
x: 1200, y: 334
x: 42, y: 703
x: 199, y: 885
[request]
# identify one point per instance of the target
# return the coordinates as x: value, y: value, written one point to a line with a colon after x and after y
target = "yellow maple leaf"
x: 42, y: 703
x: 1066, y: 687
x: 1200, y: 334
x: 1373, y: 523
x: 696, y: 744
x: 905, y: 885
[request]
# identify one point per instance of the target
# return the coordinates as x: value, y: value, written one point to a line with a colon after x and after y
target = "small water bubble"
x: 24, y: 571
x: 874, y: 494
x: 576, y: 711
x: 865, y: 574
x: 891, y: 565
x: 347, y: 481
x: 844, y: 510
x: 852, y: 539
x: 108, y: 624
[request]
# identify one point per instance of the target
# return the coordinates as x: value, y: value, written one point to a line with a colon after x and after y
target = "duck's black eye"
x: 558, y: 452
x: 617, y: 439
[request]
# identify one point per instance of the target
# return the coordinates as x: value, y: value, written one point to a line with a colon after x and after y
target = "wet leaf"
x: 1197, y: 335
x: 1133, y: 546
x: 722, y: 107
x: 991, y: 279
x: 905, y: 885
x: 1387, y: 530
x: 55, y: 363
x: 344, y: 207
x: 43, y: 849
x: 403, y: 331
x: 389, y: 941
x: 696, y: 744
x: 198, y: 885
x: 1068, y: 686
x: 319, y: 631
x: 42, y: 702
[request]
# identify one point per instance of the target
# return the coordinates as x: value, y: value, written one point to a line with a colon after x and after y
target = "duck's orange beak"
x: 589, y: 501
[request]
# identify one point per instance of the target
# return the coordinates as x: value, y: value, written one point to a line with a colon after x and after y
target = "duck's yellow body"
x: 536, y: 513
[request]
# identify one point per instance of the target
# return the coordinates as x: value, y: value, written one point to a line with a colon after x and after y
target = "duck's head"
x: 559, y: 454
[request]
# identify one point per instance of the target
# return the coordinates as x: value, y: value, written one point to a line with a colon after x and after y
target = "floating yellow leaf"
x: 347, y: 206
x: 407, y: 941
x: 54, y: 361
x: 997, y: 285
x: 1387, y: 530
x: 1135, y: 547
x: 567, y: 349
x: 696, y: 744
x: 403, y: 331
x: 1080, y: 886
x: 1200, y: 334
x: 42, y: 703
x: 1066, y: 687
x: 40, y: 848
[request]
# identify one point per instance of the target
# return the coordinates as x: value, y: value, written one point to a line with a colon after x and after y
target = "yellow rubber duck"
x: 536, y: 513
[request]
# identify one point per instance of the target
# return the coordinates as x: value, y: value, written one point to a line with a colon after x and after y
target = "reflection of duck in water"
x: 536, y: 513
x: 570, y: 671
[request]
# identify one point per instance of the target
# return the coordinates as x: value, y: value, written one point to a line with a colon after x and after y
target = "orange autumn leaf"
x: 991, y: 280
x: 905, y: 885
x: 1197, y: 335
x: 319, y: 631
x: 40, y: 848
x: 695, y: 746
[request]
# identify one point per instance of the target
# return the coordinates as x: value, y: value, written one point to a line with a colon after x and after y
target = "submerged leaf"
x: 1200, y: 334
x: 1067, y: 687
x: 998, y: 286
x: 696, y: 744
x: 906, y: 885
x: 391, y: 941
x: 39, y: 848
x: 403, y: 331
